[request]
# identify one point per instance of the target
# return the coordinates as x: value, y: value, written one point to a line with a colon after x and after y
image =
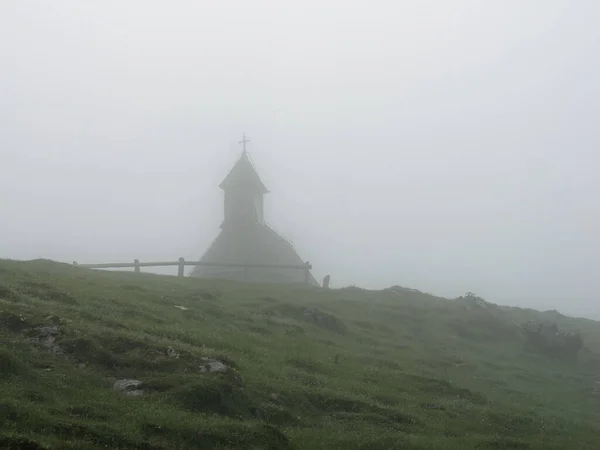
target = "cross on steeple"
x: 243, y: 142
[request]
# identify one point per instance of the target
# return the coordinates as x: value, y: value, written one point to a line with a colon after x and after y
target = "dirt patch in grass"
x: 215, y: 394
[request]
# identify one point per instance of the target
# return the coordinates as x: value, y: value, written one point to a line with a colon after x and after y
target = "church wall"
x: 255, y: 275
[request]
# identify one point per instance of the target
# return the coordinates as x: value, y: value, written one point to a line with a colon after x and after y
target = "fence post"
x: 136, y: 265
x: 307, y: 268
x: 181, y: 267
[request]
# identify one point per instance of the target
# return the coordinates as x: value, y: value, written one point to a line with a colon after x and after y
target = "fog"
x: 447, y: 146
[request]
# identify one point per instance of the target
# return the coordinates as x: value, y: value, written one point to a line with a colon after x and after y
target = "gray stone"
x: 47, y: 337
x: 45, y: 332
x: 213, y: 365
x: 127, y: 385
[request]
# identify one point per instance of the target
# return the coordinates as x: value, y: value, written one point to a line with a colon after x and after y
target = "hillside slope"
x: 224, y: 365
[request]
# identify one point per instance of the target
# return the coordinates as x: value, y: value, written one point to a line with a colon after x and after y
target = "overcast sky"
x: 448, y: 146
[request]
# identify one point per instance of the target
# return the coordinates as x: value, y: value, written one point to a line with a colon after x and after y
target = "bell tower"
x: 244, y: 191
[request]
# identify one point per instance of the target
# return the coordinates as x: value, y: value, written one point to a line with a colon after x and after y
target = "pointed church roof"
x: 257, y: 243
x: 243, y: 174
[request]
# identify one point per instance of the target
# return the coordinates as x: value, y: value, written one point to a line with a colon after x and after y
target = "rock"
x: 470, y: 300
x: 213, y: 365
x: 549, y: 339
x: 183, y: 308
x: 46, y: 336
x: 433, y: 406
x: 130, y: 387
x: 399, y: 290
x: 44, y: 332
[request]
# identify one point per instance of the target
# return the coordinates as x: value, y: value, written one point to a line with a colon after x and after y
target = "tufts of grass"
x: 8, y: 294
x: 309, y: 369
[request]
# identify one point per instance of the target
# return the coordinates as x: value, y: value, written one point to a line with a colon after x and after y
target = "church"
x: 247, y: 248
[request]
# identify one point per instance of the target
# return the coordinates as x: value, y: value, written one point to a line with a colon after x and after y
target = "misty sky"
x: 448, y: 146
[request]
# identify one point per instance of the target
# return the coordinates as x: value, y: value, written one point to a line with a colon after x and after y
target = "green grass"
x: 378, y: 370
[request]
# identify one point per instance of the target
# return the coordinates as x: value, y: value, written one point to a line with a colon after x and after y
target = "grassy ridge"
x: 376, y: 370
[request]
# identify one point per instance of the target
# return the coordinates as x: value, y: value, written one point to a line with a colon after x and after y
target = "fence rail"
x: 181, y: 263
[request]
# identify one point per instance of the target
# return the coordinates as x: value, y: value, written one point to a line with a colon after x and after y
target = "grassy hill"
x: 294, y: 368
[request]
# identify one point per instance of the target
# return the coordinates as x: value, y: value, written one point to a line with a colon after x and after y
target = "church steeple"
x: 244, y: 192
x: 243, y: 175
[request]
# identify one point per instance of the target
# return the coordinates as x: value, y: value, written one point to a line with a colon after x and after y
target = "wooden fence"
x: 181, y: 263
